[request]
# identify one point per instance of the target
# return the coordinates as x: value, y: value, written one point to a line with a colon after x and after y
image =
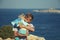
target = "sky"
x: 29, y: 4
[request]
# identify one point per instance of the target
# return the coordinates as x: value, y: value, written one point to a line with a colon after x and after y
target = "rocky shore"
x: 6, y: 39
x: 30, y: 37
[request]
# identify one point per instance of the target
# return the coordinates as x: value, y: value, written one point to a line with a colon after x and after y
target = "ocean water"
x: 46, y: 24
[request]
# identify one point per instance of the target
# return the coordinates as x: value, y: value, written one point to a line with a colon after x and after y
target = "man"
x: 18, y: 36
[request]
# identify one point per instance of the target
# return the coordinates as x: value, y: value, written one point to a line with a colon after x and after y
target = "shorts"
x: 20, y: 38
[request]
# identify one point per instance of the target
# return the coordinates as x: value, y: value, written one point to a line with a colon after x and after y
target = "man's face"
x: 28, y: 19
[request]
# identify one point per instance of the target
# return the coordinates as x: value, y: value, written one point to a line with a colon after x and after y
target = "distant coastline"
x: 48, y: 10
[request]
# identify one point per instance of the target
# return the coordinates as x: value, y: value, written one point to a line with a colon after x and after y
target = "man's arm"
x: 27, y: 27
x: 30, y: 28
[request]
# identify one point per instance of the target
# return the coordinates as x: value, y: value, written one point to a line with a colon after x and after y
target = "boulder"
x: 1, y: 38
x: 34, y: 37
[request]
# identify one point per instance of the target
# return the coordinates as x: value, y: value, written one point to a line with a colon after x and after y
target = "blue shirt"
x: 19, y: 20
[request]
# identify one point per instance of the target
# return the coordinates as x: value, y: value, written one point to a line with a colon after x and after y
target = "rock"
x: 41, y: 38
x: 1, y: 38
x: 30, y: 37
x: 8, y: 39
x: 33, y: 37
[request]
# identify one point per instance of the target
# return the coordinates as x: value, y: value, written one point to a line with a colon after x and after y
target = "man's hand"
x: 30, y: 28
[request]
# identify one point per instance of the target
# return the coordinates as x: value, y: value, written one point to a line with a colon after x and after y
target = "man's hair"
x: 29, y: 15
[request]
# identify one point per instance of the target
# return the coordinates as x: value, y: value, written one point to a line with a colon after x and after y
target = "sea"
x: 47, y: 24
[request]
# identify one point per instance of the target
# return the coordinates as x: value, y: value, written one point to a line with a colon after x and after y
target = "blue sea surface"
x: 47, y: 25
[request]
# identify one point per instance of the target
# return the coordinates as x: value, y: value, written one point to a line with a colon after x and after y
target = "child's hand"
x: 21, y: 25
